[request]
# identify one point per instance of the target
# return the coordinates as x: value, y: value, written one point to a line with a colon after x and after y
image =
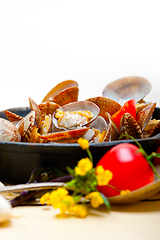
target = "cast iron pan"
x: 18, y: 160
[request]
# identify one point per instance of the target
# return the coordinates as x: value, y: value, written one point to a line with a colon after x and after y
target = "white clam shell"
x: 79, y: 106
x: 89, y: 134
x: 124, y: 89
x: 26, y: 124
x: 99, y: 123
x: 8, y: 131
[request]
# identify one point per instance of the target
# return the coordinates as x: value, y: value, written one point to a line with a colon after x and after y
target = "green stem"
x: 89, y: 154
x: 153, y: 168
x: 138, y: 144
x: 113, y: 187
x: 148, y: 157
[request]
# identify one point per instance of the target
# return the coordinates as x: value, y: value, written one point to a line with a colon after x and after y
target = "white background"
x: 93, y: 42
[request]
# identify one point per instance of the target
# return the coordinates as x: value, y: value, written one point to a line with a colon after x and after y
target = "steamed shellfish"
x: 76, y: 114
x: 8, y: 131
x: 124, y: 89
x: 60, y: 117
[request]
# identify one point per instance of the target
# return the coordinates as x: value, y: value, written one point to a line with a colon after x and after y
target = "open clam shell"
x: 124, y: 89
x: 70, y: 136
x: 60, y: 88
x: 66, y: 96
x: 75, y: 107
x: 34, y: 107
x: 25, y: 125
x: 129, y: 126
x: 12, y: 116
x: 105, y: 105
x: 112, y: 131
x: 145, y: 115
x: 155, y: 130
x: 47, y: 108
x: 99, y: 123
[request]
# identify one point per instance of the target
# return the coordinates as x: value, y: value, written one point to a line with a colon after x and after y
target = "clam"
x: 112, y: 130
x: 66, y: 96
x: 34, y: 107
x: 144, y: 116
x: 76, y: 114
x: 129, y: 126
x: 155, y: 130
x: 124, y: 89
x: 97, y: 127
x: 25, y: 126
x: 63, y: 93
x: 32, y: 135
x: 47, y: 108
x: 151, y: 125
x: 140, y: 106
x: 46, y: 125
x: 12, y: 116
x: 8, y: 131
x: 105, y: 105
x: 99, y: 123
x: 108, y: 130
x: 70, y: 136
x: 62, y: 118
x: 89, y: 135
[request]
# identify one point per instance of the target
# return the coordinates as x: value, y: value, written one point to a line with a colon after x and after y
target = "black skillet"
x: 18, y: 160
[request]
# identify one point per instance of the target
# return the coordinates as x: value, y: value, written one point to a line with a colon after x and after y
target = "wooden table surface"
x: 135, y: 221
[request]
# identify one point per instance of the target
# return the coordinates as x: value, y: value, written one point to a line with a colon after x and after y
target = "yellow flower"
x: 69, y: 200
x: 79, y: 210
x: 83, y: 166
x: 57, y: 195
x: 84, y: 144
x: 96, y: 199
x: 103, y: 176
x: 45, y: 198
x: 65, y: 204
x: 123, y: 192
x: 63, y: 207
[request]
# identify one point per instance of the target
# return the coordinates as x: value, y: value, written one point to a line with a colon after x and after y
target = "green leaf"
x: 71, y: 184
x: 77, y: 198
x: 106, y: 202
x: 70, y: 171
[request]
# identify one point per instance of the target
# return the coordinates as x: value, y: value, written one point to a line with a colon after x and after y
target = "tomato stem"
x: 153, y: 168
x: 113, y: 187
x: 147, y: 157
x: 138, y: 144
x: 89, y: 154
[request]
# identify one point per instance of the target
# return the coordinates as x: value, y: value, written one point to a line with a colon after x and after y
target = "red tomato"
x: 156, y: 160
x: 130, y: 169
x: 128, y: 107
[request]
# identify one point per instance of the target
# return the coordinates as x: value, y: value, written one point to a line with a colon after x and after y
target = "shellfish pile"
x: 62, y: 118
